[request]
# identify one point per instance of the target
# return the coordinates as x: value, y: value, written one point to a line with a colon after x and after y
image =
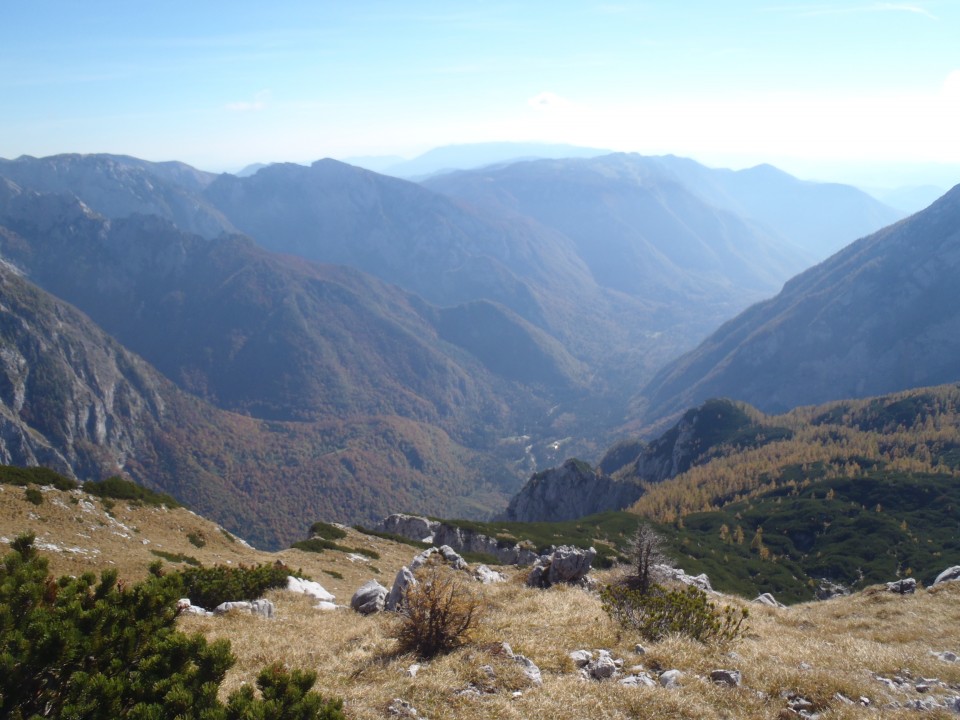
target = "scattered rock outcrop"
x: 261, y: 608
x: 459, y: 539
x: 486, y: 576
x: 949, y: 575
x: 678, y: 575
x: 730, y: 678
x: 373, y: 597
x: 904, y: 586
x: 530, y: 669
x: 309, y: 587
x: 563, y: 564
x: 570, y: 491
x: 768, y: 600
x: 370, y: 598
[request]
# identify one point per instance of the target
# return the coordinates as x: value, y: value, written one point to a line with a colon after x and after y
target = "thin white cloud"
x: 258, y: 103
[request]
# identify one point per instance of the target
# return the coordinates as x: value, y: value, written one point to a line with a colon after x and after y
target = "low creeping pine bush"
x: 210, y: 586
x: 662, y: 611
x: 88, y: 649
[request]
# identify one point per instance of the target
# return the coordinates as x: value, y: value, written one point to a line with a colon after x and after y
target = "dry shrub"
x: 438, y: 614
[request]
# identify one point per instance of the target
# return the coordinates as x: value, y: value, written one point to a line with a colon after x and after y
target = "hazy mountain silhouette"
x: 879, y: 316
x: 474, y: 155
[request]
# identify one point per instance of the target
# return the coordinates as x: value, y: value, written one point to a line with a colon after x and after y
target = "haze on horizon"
x: 856, y: 91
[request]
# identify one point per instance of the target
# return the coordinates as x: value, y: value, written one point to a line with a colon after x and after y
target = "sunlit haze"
x: 828, y: 90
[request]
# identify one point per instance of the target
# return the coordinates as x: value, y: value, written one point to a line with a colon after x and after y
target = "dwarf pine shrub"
x: 210, y: 586
x: 89, y: 649
x: 661, y: 611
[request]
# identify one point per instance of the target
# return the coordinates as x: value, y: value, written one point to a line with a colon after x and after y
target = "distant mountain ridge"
x: 879, y: 316
x: 119, y: 185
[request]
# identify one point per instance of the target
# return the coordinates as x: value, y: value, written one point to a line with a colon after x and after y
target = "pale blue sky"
x: 222, y: 84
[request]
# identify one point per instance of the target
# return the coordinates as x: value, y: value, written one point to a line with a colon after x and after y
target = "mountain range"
x: 331, y: 342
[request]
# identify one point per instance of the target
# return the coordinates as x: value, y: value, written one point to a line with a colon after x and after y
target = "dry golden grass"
x: 815, y: 650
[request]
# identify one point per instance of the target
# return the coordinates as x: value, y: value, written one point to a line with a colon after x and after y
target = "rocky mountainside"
x: 118, y: 185
x: 275, y: 336
x: 879, y: 316
x: 74, y: 399
x: 570, y: 491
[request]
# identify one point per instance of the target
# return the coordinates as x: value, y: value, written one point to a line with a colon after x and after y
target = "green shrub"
x: 661, y: 612
x: 85, y: 649
x: 33, y: 495
x: 318, y: 545
x: 438, y: 614
x: 12, y: 475
x: 391, y: 536
x: 334, y: 574
x: 196, y: 539
x: 117, y: 488
x: 176, y: 557
x: 208, y: 587
x: 327, y: 531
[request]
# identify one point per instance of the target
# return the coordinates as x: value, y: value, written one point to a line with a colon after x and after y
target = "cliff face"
x: 568, y: 492
x: 70, y: 397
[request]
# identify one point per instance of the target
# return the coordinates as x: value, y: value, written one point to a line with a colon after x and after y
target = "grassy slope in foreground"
x: 842, y: 642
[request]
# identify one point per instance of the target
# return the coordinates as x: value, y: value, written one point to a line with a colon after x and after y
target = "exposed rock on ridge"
x: 568, y: 492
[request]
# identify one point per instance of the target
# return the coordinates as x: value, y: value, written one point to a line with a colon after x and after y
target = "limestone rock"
x: 486, y: 576
x: 768, y: 600
x: 262, y: 608
x: 640, y: 679
x: 411, y: 527
x: 670, y: 678
x: 678, y: 575
x: 370, y: 598
x: 730, y: 678
x: 948, y: 575
x: 603, y: 667
x: 530, y: 669
x: 448, y: 554
x: 185, y: 607
x: 403, y: 709
x: 309, y: 587
x: 568, y: 492
x: 563, y: 565
x: 904, y: 586
x: 225, y: 607
x: 581, y: 657
x: 404, y: 580
x: 459, y: 539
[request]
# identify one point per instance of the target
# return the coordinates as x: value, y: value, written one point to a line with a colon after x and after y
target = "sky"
x: 818, y: 88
